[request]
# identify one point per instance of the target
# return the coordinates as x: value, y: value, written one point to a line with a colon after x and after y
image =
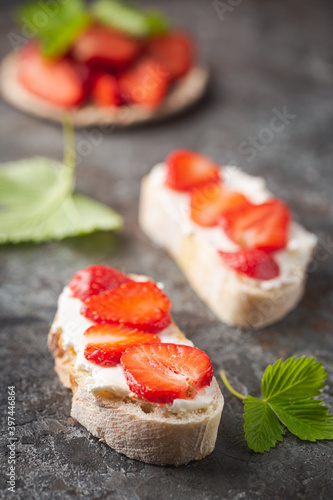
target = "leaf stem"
x: 69, y: 148
x: 229, y: 387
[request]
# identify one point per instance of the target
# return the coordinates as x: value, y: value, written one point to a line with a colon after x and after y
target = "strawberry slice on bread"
x: 209, y: 202
x: 255, y: 263
x: 137, y: 304
x: 187, y: 170
x: 161, y: 373
x: 106, y: 343
x: 263, y: 226
x: 96, y: 279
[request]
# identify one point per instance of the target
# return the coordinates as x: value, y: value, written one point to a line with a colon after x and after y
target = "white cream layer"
x: 98, y: 378
x: 292, y: 261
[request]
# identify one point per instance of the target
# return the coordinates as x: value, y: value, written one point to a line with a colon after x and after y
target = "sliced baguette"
x: 137, y: 428
x: 234, y: 298
x: 186, y: 92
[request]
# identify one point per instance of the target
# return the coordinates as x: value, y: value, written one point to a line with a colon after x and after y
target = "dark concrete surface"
x: 264, y: 56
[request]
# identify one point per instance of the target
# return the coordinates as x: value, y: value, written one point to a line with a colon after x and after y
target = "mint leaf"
x: 129, y: 19
x: 307, y: 418
x: 293, y: 379
x: 55, y: 25
x: 262, y: 429
x: 36, y: 203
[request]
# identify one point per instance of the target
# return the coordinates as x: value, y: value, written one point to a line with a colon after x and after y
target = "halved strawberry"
x: 212, y: 200
x: 161, y: 373
x: 255, y: 263
x: 188, y: 170
x: 139, y: 305
x: 58, y: 82
x: 105, y: 90
x: 96, y: 279
x: 175, y: 51
x: 106, y: 343
x: 106, y: 46
x: 263, y: 226
x: 145, y: 84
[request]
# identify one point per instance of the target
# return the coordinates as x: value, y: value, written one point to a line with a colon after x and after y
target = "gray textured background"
x: 264, y: 55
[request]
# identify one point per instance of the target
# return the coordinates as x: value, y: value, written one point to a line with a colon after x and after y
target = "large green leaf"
x: 37, y: 204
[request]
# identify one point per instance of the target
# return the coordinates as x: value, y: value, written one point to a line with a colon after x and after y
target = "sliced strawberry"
x: 175, y: 51
x: 105, y: 90
x: 263, y: 226
x: 106, y: 343
x: 212, y: 200
x: 106, y: 46
x: 188, y: 170
x: 163, y: 372
x: 139, y: 305
x: 58, y: 82
x: 255, y: 263
x: 145, y: 84
x: 96, y: 279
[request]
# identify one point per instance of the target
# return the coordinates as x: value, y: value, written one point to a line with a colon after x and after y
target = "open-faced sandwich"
x: 109, y: 64
x: 238, y: 245
x: 138, y: 383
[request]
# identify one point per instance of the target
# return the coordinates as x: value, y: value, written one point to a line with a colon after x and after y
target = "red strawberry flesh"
x: 139, y: 305
x: 96, y: 279
x: 263, y: 226
x: 210, y: 201
x: 187, y: 170
x: 106, y: 343
x: 144, y: 84
x: 100, y: 45
x: 55, y: 81
x: 175, y: 51
x: 255, y: 263
x: 161, y: 373
x: 105, y: 90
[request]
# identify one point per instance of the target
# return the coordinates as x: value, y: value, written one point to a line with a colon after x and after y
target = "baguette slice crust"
x: 137, y: 428
x: 186, y: 92
x: 236, y: 300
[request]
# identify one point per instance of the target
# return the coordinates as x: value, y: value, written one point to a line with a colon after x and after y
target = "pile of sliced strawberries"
x: 128, y: 316
x: 258, y: 229
x: 108, y: 67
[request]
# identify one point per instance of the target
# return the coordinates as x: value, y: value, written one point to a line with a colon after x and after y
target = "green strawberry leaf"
x: 307, y: 418
x: 287, y: 388
x: 262, y: 429
x: 293, y: 378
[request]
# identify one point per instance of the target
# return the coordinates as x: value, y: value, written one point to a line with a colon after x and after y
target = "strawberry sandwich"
x: 138, y: 383
x: 237, y: 244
